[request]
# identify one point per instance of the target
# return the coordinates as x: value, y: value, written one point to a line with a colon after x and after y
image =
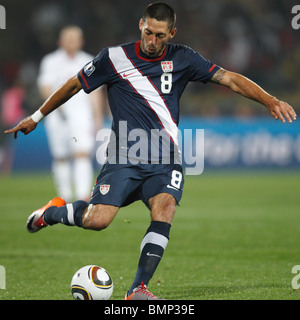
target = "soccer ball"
x: 91, y: 283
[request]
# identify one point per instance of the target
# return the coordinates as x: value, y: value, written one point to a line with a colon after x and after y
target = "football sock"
x: 83, y: 177
x: 152, y: 249
x: 70, y: 214
x: 62, y: 179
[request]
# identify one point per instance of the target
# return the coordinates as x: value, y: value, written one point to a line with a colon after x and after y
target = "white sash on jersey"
x: 144, y: 87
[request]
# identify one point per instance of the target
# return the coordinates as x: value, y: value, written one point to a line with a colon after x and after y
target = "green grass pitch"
x: 235, y: 236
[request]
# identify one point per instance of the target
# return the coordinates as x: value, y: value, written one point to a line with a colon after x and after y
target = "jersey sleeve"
x: 95, y: 73
x: 201, y: 69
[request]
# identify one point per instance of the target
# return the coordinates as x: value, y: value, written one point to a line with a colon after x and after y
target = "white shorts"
x: 70, y: 133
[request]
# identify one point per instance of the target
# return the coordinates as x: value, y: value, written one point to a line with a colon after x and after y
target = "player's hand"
x: 26, y: 126
x: 282, y: 110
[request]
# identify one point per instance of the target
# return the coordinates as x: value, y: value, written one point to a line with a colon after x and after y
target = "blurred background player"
x: 71, y: 130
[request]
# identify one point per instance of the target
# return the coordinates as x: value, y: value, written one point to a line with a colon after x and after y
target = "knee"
x: 96, y: 218
x: 92, y: 223
x: 170, y: 206
x: 164, y: 210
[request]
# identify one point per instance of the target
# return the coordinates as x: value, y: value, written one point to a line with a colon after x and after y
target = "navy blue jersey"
x: 144, y: 93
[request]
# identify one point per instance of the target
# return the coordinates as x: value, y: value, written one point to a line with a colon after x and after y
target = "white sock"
x: 83, y: 177
x: 62, y: 179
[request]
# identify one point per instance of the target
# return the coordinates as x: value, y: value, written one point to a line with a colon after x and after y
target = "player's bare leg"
x: 98, y: 216
x: 163, y: 207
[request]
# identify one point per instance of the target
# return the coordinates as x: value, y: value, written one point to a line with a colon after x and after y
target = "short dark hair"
x: 162, y: 12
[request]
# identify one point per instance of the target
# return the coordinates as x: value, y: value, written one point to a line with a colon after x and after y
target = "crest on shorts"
x: 167, y: 66
x: 104, y: 188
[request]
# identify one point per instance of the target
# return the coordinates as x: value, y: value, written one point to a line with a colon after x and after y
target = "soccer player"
x: 71, y: 131
x: 145, y: 80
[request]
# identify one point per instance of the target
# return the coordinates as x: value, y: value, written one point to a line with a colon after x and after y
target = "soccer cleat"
x: 141, y: 293
x: 35, y: 221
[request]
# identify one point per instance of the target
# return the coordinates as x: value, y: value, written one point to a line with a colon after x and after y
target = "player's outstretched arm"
x: 242, y: 85
x: 59, y: 97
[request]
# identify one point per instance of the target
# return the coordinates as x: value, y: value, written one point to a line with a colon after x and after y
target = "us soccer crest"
x: 167, y: 66
x: 104, y: 188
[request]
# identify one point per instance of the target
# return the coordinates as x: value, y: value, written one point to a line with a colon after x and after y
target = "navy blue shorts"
x: 121, y: 185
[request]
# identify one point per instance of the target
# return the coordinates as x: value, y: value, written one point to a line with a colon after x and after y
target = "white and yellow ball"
x: 91, y: 283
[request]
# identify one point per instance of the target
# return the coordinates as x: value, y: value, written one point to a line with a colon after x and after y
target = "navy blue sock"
x: 152, y: 249
x: 70, y: 214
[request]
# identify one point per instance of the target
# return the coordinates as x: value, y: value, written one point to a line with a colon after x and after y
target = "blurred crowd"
x: 253, y: 37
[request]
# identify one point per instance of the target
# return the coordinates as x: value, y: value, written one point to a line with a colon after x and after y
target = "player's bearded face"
x: 154, y: 36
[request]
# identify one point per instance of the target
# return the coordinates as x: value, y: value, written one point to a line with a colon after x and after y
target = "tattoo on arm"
x: 218, y: 76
